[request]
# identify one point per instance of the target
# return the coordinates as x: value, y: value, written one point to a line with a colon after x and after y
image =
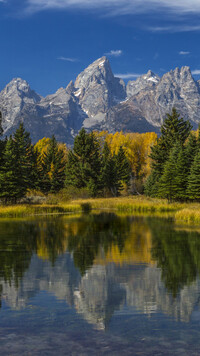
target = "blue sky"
x: 49, y: 42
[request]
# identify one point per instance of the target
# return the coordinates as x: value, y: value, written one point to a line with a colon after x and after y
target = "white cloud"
x: 127, y: 75
x: 118, y: 7
x: 184, y: 53
x: 196, y: 71
x: 114, y: 53
x: 68, y: 59
x: 175, y: 28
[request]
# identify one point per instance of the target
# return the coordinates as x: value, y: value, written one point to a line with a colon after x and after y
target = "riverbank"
x: 121, y: 204
x: 23, y: 210
x: 187, y: 213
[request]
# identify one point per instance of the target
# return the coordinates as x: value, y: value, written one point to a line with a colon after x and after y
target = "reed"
x: 132, y: 204
x: 182, y: 212
x: 28, y: 210
x: 188, y: 216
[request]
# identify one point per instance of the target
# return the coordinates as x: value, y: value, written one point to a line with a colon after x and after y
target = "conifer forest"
x: 105, y: 164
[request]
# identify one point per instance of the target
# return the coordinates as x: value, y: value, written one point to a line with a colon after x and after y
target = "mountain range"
x: 97, y: 100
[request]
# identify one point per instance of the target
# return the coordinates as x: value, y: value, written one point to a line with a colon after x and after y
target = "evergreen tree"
x: 17, y: 172
x: 84, y: 163
x: 9, y: 186
x: 173, y: 182
x: 74, y: 171
x: 198, y: 137
x: 167, y: 184
x: 193, y: 189
x: 174, y: 129
x: 182, y: 172
x: 23, y: 156
x: 34, y: 170
x: 123, y: 167
x: 52, y: 171
x: 93, y: 167
x: 159, y: 154
x: 2, y: 148
x: 110, y: 178
x: 191, y: 149
x: 151, y: 185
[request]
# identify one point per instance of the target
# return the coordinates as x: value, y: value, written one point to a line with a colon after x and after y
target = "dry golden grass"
x: 189, y: 215
x: 182, y: 212
x: 131, y: 204
x: 28, y: 210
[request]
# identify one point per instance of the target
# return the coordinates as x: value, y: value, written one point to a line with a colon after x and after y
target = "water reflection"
x: 101, y: 263
x: 177, y: 253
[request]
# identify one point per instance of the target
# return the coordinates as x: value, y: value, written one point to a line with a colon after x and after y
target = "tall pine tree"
x: 17, y: 173
x: 9, y: 186
x: 123, y: 167
x: 23, y: 156
x: 191, y: 149
x: 193, y: 189
x: 110, y: 178
x: 173, y: 182
x: 84, y: 163
x: 52, y: 168
x: 182, y: 173
x: 174, y: 129
x: 167, y: 184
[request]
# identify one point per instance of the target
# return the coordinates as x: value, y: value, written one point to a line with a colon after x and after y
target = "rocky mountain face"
x: 145, y: 82
x: 98, y: 100
x: 15, y: 100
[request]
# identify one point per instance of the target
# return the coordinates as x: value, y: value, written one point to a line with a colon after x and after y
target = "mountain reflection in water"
x: 101, y: 263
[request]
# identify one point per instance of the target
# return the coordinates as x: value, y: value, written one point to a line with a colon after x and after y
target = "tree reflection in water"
x: 177, y: 254
x: 95, y: 232
x: 101, y: 239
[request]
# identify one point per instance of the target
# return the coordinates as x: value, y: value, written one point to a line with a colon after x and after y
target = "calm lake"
x: 99, y: 284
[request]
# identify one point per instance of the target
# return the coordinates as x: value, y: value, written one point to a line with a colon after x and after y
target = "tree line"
x: 175, y: 167
x: 105, y: 164
x: 21, y: 166
x: 48, y: 167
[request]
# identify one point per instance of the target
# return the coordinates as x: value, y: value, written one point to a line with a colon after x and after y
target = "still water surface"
x: 99, y: 284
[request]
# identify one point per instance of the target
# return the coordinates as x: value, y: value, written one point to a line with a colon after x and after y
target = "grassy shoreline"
x: 23, y: 210
x: 121, y: 204
x: 187, y: 213
x: 189, y: 216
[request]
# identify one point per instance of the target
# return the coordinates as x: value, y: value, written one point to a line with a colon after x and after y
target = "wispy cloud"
x: 196, y: 72
x: 68, y: 59
x: 118, y: 7
x: 184, y: 53
x: 127, y: 75
x: 175, y: 28
x: 114, y: 53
